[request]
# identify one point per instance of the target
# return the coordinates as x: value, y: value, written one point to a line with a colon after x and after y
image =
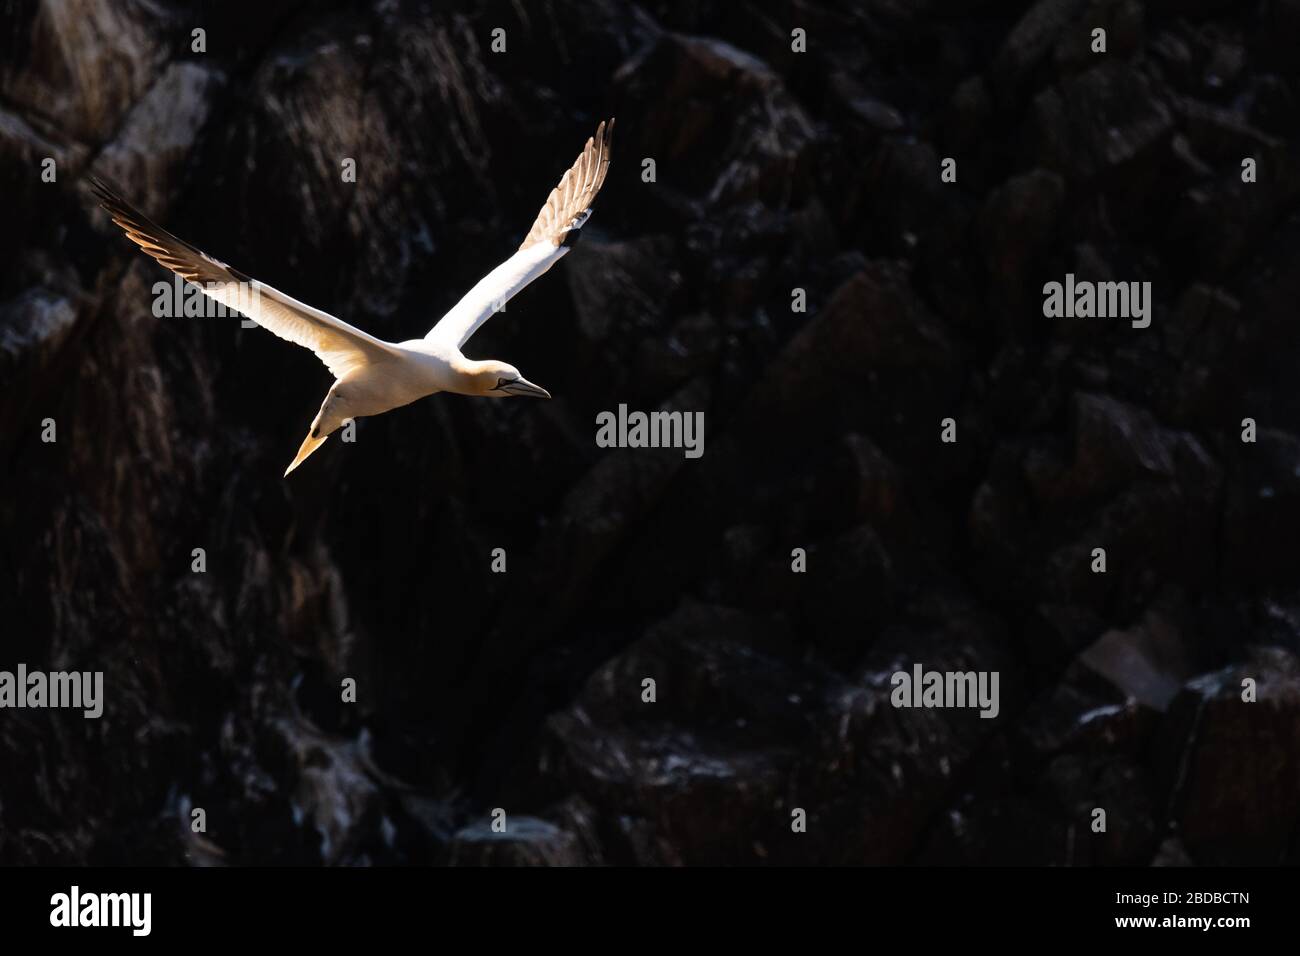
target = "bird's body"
x: 373, y: 376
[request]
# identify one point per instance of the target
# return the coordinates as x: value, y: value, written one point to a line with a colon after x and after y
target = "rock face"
x: 330, y: 669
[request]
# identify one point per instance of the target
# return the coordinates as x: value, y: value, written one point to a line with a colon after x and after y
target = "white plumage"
x: 371, y: 375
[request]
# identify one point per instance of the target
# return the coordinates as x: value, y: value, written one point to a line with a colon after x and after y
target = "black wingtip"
x: 106, y: 194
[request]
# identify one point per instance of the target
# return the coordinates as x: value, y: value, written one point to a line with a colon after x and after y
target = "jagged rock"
x: 333, y: 792
x: 1234, y: 765
x: 705, y: 765
x: 158, y: 133
x: 781, y: 178
x: 1101, y: 120
x: 526, y: 841
x: 84, y: 63
x: 1220, y: 135
x: 1127, y: 486
x: 1081, y: 785
x: 1148, y: 664
x: 25, y: 147
x: 1203, y: 339
x: 865, y: 108
x: 1018, y: 221
x: 1121, y: 19
x: 1263, y: 501
x: 689, y: 348
x: 875, y: 763
x: 1172, y: 853
x: 32, y: 328
x: 769, y: 160
x: 622, y: 296
x: 873, y: 327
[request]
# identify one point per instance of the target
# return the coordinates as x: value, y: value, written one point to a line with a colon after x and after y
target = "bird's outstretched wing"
x: 556, y: 229
x: 340, y: 346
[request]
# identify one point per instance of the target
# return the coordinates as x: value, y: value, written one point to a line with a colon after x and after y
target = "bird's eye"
x: 501, y: 383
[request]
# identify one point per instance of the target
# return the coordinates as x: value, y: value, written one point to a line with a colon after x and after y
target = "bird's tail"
x: 309, y: 445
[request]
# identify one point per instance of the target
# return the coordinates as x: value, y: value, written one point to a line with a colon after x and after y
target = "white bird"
x: 373, y: 376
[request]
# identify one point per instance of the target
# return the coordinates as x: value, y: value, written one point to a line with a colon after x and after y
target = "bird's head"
x: 499, y: 380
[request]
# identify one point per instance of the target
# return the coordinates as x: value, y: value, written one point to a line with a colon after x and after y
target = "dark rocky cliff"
x: 775, y: 170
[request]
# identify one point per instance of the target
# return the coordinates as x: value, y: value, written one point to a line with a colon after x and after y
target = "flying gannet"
x: 373, y: 376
